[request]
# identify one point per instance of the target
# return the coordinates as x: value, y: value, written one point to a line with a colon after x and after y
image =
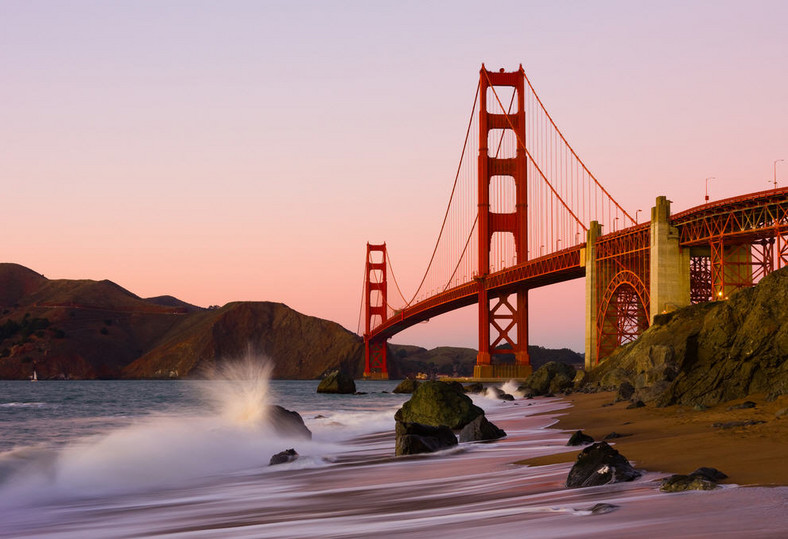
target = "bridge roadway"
x: 738, y: 219
x: 550, y: 269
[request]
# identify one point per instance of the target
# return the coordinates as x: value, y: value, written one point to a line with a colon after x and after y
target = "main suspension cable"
x: 544, y: 109
x: 448, y: 207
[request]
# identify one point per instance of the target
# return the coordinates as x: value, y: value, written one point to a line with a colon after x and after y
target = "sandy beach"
x: 678, y: 439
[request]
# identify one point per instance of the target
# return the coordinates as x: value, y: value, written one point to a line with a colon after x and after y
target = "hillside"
x: 407, y: 360
x: 84, y: 329
x: 299, y: 346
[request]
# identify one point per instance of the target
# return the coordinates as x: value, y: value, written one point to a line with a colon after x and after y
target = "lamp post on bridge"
x: 707, y: 186
x: 636, y: 215
x: 775, y: 171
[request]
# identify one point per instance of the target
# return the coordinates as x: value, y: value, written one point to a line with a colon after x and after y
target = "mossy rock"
x: 408, y: 385
x: 337, y: 382
x: 438, y: 403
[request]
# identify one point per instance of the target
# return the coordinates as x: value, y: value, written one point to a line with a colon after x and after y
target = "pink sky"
x: 221, y: 151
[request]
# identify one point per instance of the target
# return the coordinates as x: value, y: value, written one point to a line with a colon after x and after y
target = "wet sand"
x: 679, y: 439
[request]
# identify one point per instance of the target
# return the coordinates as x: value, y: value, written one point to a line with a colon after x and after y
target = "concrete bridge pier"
x: 669, y: 268
x: 588, y: 258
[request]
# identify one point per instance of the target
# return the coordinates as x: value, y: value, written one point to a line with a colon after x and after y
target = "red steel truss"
x: 622, y: 273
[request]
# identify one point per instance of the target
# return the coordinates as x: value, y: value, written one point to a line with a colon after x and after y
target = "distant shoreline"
x: 679, y: 439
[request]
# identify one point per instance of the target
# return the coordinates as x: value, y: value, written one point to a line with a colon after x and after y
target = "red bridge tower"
x: 510, y: 321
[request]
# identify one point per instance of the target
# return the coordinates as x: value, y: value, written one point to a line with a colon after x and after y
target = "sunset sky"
x: 247, y: 150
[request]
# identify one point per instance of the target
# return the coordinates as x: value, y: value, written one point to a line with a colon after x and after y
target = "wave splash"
x: 229, y: 434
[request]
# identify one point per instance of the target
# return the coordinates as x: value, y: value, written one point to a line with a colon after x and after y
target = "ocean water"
x: 190, y: 459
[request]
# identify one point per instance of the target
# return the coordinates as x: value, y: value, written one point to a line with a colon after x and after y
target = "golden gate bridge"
x: 526, y: 212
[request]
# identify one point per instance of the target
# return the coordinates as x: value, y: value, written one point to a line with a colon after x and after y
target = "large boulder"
x: 552, y: 377
x: 480, y: 429
x: 414, y: 438
x: 408, y: 385
x: 600, y: 464
x: 337, y: 382
x: 288, y: 423
x: 438, y: 403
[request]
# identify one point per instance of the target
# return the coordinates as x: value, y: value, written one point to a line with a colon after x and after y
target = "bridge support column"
x: 504, y: 316
x: 670, y: 264
x: 588, y: 258
x: 375, y: 295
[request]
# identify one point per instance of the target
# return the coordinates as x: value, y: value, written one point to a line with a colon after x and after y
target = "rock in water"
x: 600, y: 464
x: 480, y: 429
x: 414, y: 438
x: 408, y: 385
x: 437, y: 403
x: 288, y: 455
x: 337, y: 382
x: 288, y: 423
x: 474, y: 387
x: 709, y: 473
x: 680, y: 483
x: 580, y: 438
x: 550, y: 377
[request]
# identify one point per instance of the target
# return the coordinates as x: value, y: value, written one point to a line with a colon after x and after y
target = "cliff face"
x: 300, y: 347
x: 710, y: 353
x: 82, y: 329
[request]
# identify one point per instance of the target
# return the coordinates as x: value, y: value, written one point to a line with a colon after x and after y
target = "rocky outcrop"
x: 408, y: 385
x: 709, y: 353
x: 480, y: 429
x: 438, y: 403
x: 600, y: 464
x: 552, y: 377
x: 337, y: 382
x: 415, y: 438
x: 288, y: 423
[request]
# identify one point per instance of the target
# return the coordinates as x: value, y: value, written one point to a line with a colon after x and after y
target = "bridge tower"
x: 375, y: 289
x: 508, y: 319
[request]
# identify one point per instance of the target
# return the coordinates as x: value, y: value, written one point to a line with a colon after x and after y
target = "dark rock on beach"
x: 288, y: 455
x: 288, y: 423
x: 580, y: 438
x: 480, y: 429
x: 743, y: 406
x: 337, y: 382
x: 415, y: 438
x: 680, y: 483
x: 600, y: 464
x: 408, y: 385
x: 710, y: 474
x: 438, y: 403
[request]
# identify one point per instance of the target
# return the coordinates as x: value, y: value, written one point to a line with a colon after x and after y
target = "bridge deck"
x: 557, y: 267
